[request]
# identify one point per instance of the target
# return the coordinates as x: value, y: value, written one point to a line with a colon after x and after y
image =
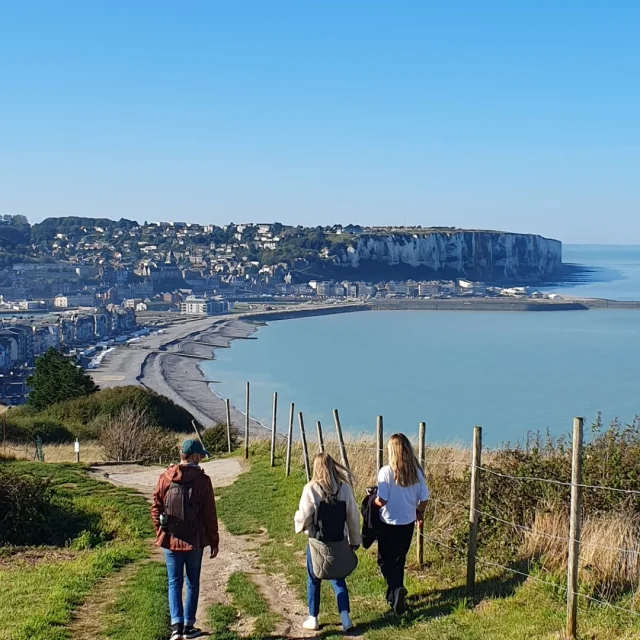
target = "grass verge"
x: 510, y: 608
x: 141, y: 611
x: 41, y: 589
x: 246, y: 596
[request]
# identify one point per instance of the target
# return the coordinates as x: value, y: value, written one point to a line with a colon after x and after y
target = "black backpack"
x: 181, y: 509
x: 332, y: 517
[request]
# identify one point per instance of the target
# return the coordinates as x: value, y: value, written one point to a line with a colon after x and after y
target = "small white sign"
x: 76, y: 446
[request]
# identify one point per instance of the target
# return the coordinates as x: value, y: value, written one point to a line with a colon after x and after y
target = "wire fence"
x: 477, y: 517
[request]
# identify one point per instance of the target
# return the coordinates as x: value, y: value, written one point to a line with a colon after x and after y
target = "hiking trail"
x: 237, y: 553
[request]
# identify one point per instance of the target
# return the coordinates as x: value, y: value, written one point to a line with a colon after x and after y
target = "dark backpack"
x: 181, y: 509
x: 332, y: 517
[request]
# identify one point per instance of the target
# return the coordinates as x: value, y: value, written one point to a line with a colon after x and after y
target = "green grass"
x: 141, y: 611
x: 246, y: 596
x: 39, y: 599
x: 221, y: 618
x: 509, y: 607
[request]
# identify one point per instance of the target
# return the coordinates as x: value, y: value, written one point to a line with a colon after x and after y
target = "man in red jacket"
x: 184, y: 516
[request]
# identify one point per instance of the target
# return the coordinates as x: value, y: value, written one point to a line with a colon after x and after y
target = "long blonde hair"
x: 403, y: 461
x: 328, y: 473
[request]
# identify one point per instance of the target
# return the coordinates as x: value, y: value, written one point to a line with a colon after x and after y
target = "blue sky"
x: 522, y: 116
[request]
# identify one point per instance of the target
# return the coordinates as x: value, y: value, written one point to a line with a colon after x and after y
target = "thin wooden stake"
x: 420, y: 529
x: 379, y: 443
x: 273, y: 429
x: 198, y: 433
x: 476, y: 463
x: 246, y: 427
x: 287, y: 462
x: 305, y: 451
x: 227, y: 405
x: 574, y: 529
x: 343, y: 449
x: 320, y: 438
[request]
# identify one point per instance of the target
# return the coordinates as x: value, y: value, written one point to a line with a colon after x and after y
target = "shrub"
x: 215, y: 439
x: 31, y: 512
x: 132, y: 435
x: 85, y: 417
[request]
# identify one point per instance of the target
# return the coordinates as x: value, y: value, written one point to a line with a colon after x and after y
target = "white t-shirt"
x: 401, y: 501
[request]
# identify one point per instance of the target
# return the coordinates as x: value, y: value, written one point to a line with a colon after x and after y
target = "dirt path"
x: 237, y: 553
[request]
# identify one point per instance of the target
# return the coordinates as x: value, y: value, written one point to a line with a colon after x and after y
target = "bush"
x: 215, y: 439
x: 31, y: 512
x: 132, y: 436
x: 85, y: 417
x: 28, y: 428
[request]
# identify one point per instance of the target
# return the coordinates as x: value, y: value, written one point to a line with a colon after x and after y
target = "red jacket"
x: 205, y: 498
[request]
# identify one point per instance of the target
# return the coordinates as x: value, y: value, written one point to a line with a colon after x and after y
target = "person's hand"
x: 214, y: 552
x: 420, y: 517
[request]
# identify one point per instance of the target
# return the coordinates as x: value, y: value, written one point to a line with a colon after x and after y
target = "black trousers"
x: 394, y: 541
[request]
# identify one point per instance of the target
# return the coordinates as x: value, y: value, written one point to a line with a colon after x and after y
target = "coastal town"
x: 82, y: 285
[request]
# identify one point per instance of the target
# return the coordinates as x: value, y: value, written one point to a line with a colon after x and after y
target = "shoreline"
x: 169, y: 364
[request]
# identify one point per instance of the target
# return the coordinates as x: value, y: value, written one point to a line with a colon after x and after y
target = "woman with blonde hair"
x: 402, y: 498
x: 328, y: 512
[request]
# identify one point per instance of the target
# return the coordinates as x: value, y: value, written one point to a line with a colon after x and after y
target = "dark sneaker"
x: 399, y: 604
x: 176, y: 632
x: 191, y: 632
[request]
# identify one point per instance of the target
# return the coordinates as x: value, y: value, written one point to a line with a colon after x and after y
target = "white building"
x: 195, y: 306
x: 76, y: 300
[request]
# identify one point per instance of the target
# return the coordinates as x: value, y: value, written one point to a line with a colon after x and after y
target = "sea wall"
x: 475, y: 254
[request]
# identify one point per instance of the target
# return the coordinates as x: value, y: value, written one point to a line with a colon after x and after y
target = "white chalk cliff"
x: 482, y: 254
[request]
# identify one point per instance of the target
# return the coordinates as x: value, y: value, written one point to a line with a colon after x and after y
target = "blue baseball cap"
x: 191, y: 446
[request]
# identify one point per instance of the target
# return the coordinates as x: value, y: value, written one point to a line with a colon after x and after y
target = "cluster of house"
x: 405, y: 289
x: 23, y: 340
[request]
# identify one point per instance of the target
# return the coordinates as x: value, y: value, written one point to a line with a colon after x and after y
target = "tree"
x: 55, y: 379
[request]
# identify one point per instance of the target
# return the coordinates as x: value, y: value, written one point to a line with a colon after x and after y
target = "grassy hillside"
x: 509, y: 605
x: 92, y: 531
x: 85, y: 416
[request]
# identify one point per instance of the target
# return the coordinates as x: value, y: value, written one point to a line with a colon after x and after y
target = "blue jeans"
x: 313, y: 591
x: 177, y: 562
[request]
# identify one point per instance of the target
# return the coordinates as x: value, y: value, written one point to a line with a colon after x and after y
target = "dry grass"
x: 90, y: 450
x: 610, y: 542
x: 609, y: 548
x: 441, y: 461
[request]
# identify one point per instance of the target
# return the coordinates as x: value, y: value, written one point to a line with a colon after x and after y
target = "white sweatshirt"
x: 312, y: 495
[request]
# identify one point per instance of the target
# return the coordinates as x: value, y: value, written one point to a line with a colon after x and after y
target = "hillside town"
x: 77, y: 284
x: 66, y: 263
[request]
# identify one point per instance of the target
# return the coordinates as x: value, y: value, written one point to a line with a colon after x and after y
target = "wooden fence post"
x: 227, y: 405
x: 246, y: 427
x: 287, y: 462
x: 320, y: 438
x: 273, y: 428
x: 422, y: 429
x: 343, y: 449
x: 379, y: 443
x: 574, y: 529
x: 476, y: 463
x: 305, y: 451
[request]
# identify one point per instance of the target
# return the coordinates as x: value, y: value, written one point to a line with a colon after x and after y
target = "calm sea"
x: 509, y: 372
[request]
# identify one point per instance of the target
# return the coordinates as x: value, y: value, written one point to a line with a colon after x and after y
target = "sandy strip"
x: 168, y: 364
